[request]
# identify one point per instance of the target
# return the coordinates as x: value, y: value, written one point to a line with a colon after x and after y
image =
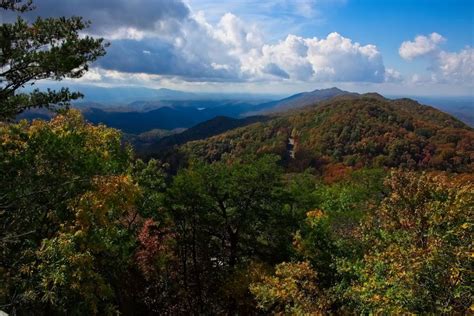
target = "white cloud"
x: 124, y: 33
x: 94, y: 74
x: 334, y: 58
x: 422, y: 45
x: 458, y: 67
x: 233, y: 32
x: 392, y: 75
x: 454, y: 67
x: 232, y: 50
x: 166, y: 38
x: 289, y: 55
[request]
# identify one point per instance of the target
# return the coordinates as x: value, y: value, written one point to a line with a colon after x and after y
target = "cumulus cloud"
x: 152, y: 56
x: 458, y: 67
x: 334, y: 58
x: 392, y: 75
x: 274, y: 69
x: 289, y: 55
x: 232, y: 50
x: 196, y: 50
x: 165, y: 38
x: 444, y: 66
x: 421, y: 46
x: 233, y: 32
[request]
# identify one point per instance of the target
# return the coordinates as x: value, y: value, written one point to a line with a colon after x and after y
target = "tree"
x: 49, y: 48
x: 419, y: 247
x: 328, y: 233
x: 78, y: 270
x: 293, y: 290
x: 64, y: 195
x: 16, y: 5
x: 227, y: 214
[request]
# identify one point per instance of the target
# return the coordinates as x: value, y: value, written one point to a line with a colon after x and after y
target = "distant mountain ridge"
x: 166, y: 117
x: 122, y: 95
x: 169, y: 115
x: 157, y: 113
x: 299, y: 100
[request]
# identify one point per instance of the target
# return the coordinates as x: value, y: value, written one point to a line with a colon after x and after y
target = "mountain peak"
x: 333, y: 89
x: 374, y: 95
x: 303, y: 99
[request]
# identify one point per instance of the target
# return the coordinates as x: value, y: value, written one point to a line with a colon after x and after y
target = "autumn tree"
x: 293, y: 290
x: 51, y: 48
x: 327, y: 233
x: 78, y: 270
x: 418, y: 257
x: 65, y: 198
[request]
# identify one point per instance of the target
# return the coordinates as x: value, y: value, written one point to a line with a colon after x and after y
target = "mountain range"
x: 170, y: 112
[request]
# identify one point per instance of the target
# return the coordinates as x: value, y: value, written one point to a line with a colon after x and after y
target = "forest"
x: 372, y: 214
x: 89, y: 229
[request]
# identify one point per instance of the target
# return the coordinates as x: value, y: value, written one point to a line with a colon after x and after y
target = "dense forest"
x: 351, y: 132
x: 86, y: 228
x: 355, y: 205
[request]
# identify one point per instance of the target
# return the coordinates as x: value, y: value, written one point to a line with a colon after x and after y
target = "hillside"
x: 300, y: 100
x: 352, y: 131
x: 220, y: 124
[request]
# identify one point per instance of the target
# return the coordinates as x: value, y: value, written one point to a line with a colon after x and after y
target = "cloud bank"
x: 234, y: 51
x: 166, y: 38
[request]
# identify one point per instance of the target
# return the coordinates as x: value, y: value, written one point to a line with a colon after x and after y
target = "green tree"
x: 49, y: 48
x: 64, y: 195
x: 226, y: 215
x: 328, y: 233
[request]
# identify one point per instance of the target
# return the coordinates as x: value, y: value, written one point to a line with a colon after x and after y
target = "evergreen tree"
x: 50, y: 48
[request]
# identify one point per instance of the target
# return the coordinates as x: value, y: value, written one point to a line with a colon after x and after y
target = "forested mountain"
x: 160, y: 145
x: 299, y: 100
x: 141, y: 116
x: 353, y: 131
x: 98, y: 231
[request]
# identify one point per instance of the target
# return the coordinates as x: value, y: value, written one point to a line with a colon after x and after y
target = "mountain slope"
x: 299, y: 100
x: 215, y: 126
x: 352, y: 131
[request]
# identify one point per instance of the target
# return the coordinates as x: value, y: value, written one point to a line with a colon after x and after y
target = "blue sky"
x: 410, y: 47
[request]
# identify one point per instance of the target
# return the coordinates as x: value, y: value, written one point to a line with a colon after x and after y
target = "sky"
x: 394, y: 47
